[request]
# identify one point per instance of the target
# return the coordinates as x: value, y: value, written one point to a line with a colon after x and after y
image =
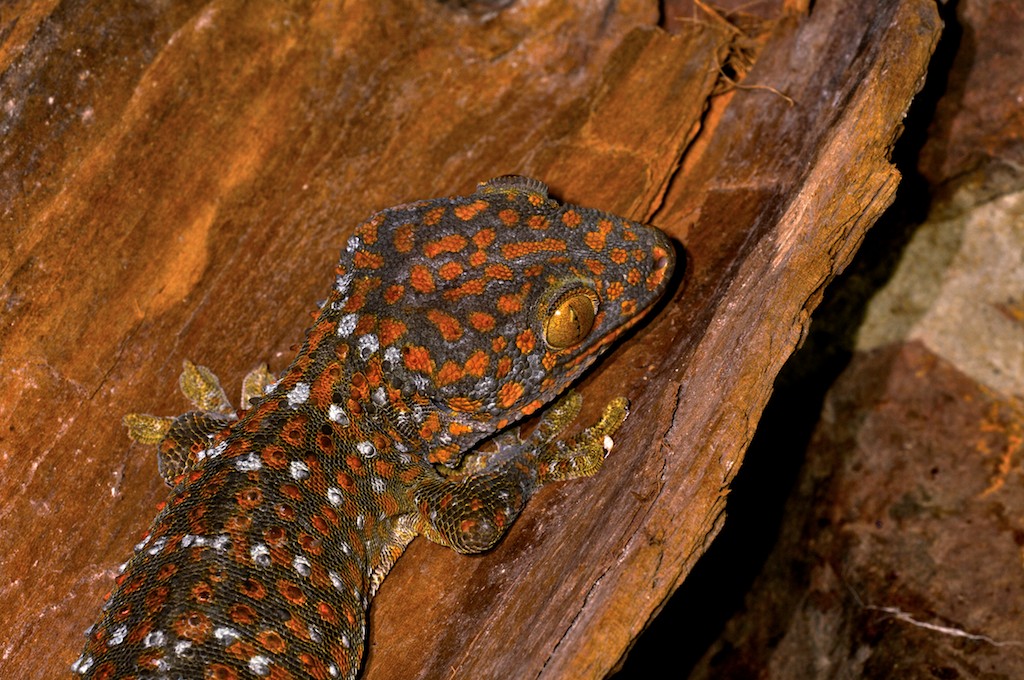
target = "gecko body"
x: 449, y: 319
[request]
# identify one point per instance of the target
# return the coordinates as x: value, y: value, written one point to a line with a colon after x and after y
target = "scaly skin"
x: 449, y: 320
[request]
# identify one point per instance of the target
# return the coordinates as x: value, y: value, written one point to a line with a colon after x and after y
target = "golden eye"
x: 570, y: 319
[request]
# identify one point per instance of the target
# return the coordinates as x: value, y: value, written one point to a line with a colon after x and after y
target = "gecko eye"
x: 570, y: 318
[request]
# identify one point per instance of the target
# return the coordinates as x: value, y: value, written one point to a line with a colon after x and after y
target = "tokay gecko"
x: 449, y: 320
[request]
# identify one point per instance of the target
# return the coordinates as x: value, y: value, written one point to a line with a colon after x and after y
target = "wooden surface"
x: 176, y: 181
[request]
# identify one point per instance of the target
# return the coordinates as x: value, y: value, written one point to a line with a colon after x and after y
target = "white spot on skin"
x: 352, y: 245
x: 158, y: 545
x: 260, y: 554
x: 301, y: 565
x: 379, y: 487
x: 82, y: 665
x: 341, y: 284
x: 608, y: 444
x: 347, y: 324
x: 226, y: 635
x: 259, y: 665
x: 334, y: 496
x: 181, y: 647
x: 366, y: 449
x: 336, y: 581
x: 154, y: 639
x: 367, y: 345
x: 337, y: 414
x: 298, y: 470
x: 142, y: 544
x: 298, y: 394
x: 250, y: 463
x: 332, y: 670
x: 214, y: 452
x: 117, y: 636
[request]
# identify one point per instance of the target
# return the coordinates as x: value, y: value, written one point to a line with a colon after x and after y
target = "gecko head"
x: 480, y: 309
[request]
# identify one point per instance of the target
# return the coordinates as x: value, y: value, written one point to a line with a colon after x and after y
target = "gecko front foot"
x: 182, y: 439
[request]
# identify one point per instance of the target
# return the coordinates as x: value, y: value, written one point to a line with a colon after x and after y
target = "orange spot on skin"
x: 433, y: 216
x: 450, y: 372
x: 218, y: 671
x: 464, y: 405
x: 508, y: 216
x: 477, y: 258
x: 499, y: 344
x: 166, y: 571
x: 430, y: 426
x: 328, y: 614
x: 628, y: 308
x: 421, y: 279
x: 443, y: 454
x: 512, y: 251
x: 450, y: 271
x: 242, y: 614
x: 526, y: 341
x: 417, y: 358
x: 291, y: 592
x: 366, y: 260
x: 484, y: 238
x: 532, y: 407
x: 633, y: 277
x: 509, y: 304
x: 405, y: 238
x: 468, y: 212
x: 504, y: 366
x: 481, y: 321
x: 459, y: 428
x: 194, y: 626
x: 537, y: 222
x: 571, y: 219
x: 367, y: 231
x: 391, y: 330
x: 447, y: 325
x: 477, y: 364
x: 272, y: 641
x: 595, y: 240
x: 618, y: 255
x: 500, y: 272
x: 451, y: 243
x: 249, y: 498
x: 252, y: 589
x: 596, y: 267
x: 472, y: 287
x: 346, y: 482
x: 393, y: 294
x: 273, y: 456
